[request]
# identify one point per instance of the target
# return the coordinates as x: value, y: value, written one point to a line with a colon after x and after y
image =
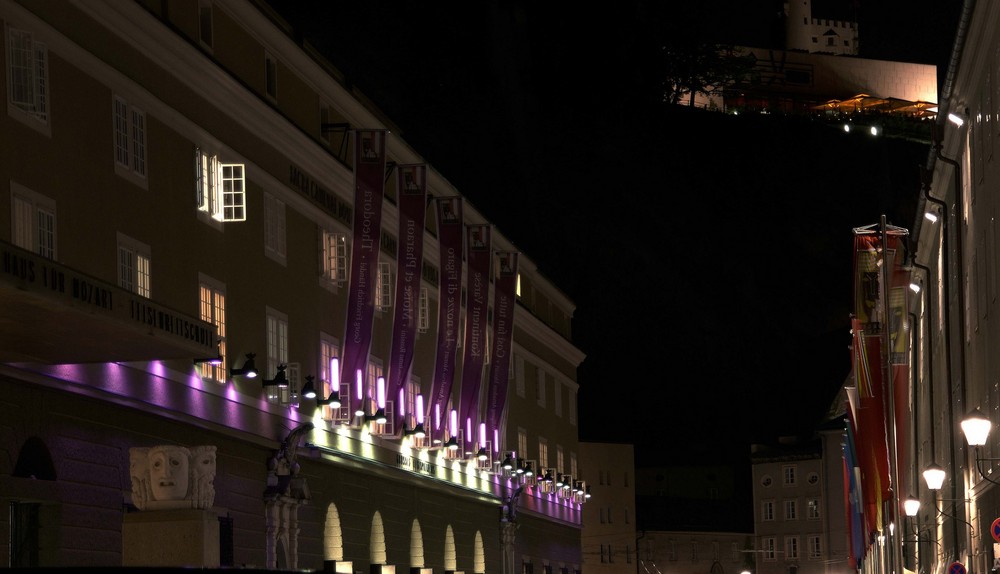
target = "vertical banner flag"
x: 477, y: 284
x: 369, y: 187
x: 899, y: 288
x: 450, y: 223
x: 871, y: 438
x: 411, y: 190
x: 504, y: 294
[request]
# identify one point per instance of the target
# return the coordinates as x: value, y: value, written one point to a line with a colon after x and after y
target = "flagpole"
x: 896, y: 554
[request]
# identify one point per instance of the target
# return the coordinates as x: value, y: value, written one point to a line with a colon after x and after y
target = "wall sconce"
x: 508, y: 463
x: 976, y: 428
x: 333, y: 401
x: 279, y: 380
x: 481, y: 454
x: 248, y: 370
x: 379, y: 416
x: 527, y: 470
x: 547, y: 477
x: 911, y: 506
x: 587, y: 493
x: 452, y: 443
x: 934, y: 476
x: 309, y: 389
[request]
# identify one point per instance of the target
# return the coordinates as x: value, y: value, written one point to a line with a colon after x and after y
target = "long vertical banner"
x: 369, y: 188
x: 450, y: 223
x: 477, y: 284
x: 504, y: 300
x: 411, y: 189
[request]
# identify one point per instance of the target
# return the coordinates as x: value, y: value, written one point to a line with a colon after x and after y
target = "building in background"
x: 191, y: 198
x: 609, y: 521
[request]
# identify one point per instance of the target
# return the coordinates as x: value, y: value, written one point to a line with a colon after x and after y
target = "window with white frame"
x: 812, y: 509
x: 133, y: 266
x: 220, y: 188
x: 540, y: 388
x: 424, y: 311
x: 277, y: 355
x: 212, y: 299
x: 412, y: 389
x: 815, y: 547
x: 205, y: 32
x: 543, y: 452
x: 270, y: 75
x: 767, y: 510
x: 328, y: 349
x: 519, y: 375
x: 791, y: 510
x: 383, y: 286
x: 791, y: 548
x: 560, y: 462
x: 522, y: 443
x: 27, y: 78
x: 788, y: 472
x: 33, y: 221
x: 333, y: 267
x: 274, y: 228
x: 769, y: 548
x: 129, y: 126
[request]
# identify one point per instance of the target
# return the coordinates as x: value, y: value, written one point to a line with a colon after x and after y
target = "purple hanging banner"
x: 411, y: 189
x: 369, y: 187
x: 477, y: 284
x: 450, y: 221
x: 504, y: 301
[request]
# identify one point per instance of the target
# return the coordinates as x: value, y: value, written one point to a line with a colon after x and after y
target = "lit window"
x: 274, y: 228
x: 133, y: 266
x: 33, y: 220
x: 543, y: 452
x: 813, y: 508
x: 328, y: 349
x: 334, y: 264
x: 220, y: 188
x: 277, y: 355
x: 129, y: 124
x: 213, y: 310
x: 27, y: 77
x: 522, y: 442
x: 383, y: 286
x: 560, y: 458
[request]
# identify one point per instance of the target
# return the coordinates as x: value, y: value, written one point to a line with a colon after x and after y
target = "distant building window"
x: 133, y: 266
x: 812, y: 508
x: 791, y: 510
x: 27, y: 77
x: 270, y: 76
x: 791, y: 548
x: 769, y: 548
x: 813, y: 478
x: 766, y: 481
x: 129, y: 123
x: 767, y: 510
x: 33, y: 221
x: 424, y: 311
x: 789, y: 475
x: 815, y: 547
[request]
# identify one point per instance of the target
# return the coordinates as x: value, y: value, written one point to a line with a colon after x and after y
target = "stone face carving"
x: 171, y: 476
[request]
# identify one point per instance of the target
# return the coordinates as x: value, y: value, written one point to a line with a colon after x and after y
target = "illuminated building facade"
x: 184, y: 181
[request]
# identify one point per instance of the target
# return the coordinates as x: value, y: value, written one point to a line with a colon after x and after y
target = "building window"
x: 424, y: 311
x: 769, y: 549
x: 212, y: 296
x: 557, y: 396
x: 540, y: 388
x: 334, y: 264
x: 627, y: 517
x: 767, y: 510
x: 560, y: 461
x: 791, y: 510
x: 694, y: 551
x: 672, y: 551
x: 519, y: 375
x: 205, y: 23
x: 813, y: 508
x: 602, y: 515
x: 27, y: 77
x: 789, y: 475
x: 791, y: 548
x: 572, y: 464
x: 133, y: 266
x: 274, y: 228
x: 270, y: 76
x: 129, y: 124
x: 543, y: 453
x: 604, y: 558
x: 522, y: 443
x: 277, y: 356
x: 815, y: 547
x: 33, y: 221
x: 383, y: 286
x: 328, y: 350
x: 572, y: 408
x: 220, y: 188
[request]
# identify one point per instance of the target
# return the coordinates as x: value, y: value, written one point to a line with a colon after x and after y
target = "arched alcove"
x: 377, y: 540
x: 416, y: 545
x: 479, y: 555
x: 34, y: 461
x: 450, y: 555
x: 333, y: 538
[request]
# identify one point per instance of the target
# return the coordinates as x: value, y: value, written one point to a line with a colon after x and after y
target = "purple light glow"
x: 334, y: 374
x: 468, y: 429
x: 482, y: 435
x: 380, y: 392
x: 360, y: 385
x: 401, y: 403
x: 453, y: 427
x: 496, y: 440
x: 420, y: 409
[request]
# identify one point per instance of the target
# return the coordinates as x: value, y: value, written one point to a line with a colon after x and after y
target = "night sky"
x: 709, y: 256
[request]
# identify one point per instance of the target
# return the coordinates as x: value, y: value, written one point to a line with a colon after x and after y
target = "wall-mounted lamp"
x: 911, y: 506
x: 931, y: 216
x: 976, y: 428
x: 934, y: 476
x: 956, y: 119
x: 587, y: 494
x: 309, y: 389
x: 214, y: 361
x: 379, y: 416
x: 279, y: 380
x: 481, y: 454
x: 548, y: 476
x: 508, y: 462
x: 248, y: 370
x: 452, y: 443
x: 333, y: 401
